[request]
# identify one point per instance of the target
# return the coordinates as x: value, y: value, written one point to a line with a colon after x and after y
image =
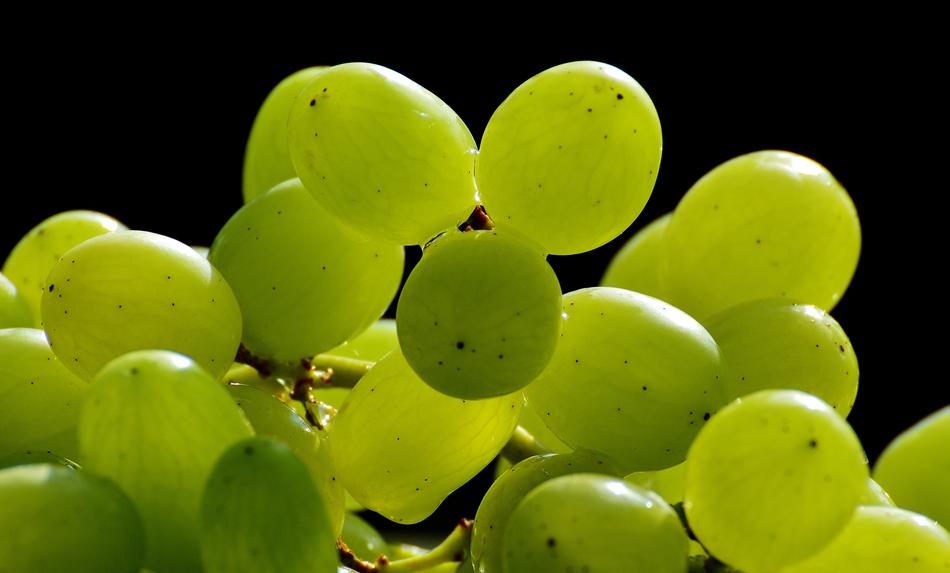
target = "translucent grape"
x: 874, y: 494
x: 670, y: 484
x: 532, y: 423
x: 632, y: 377
x: 305, y: 283
x: 134, y: 290
x: 362, y: 538
x: 400, y: 447
x: 14, y: 310
x: 571, y: 156
x: 636, y: 266
x: 55, y: 519
x: 155, y: 423
x: 479, y: 315
x: 371, y: 344
x: 776, y: 343
x: 772, y: 478
x: 382, y: 153
x: 762, y: 225
x: 588, y: 522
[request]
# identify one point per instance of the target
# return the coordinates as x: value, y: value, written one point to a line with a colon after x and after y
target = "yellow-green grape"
x: 54, y: 519
x: 39, y: 398
x: 915, y: 468
x: 14, y: 310
x: 874, y: 494
x: 37, y: 457
x: 762, y: 225
x: 372, y: 344
x: 382, y: 153
x: 266, y: 157
x: 632, y: 377
x: 533, y: 424
x: 155, y: 423
x: 636, y: 266
x: 670, y: 483
x: 777, y: 343
x: 362, y: 538
x: 401, y: 447
x: 589, y: 522
x: 479, y: 315
x: 37, y: 252
x: 883, y: 540
x: 772, y: 478
x: 571, y: 156
x: 305, y: 283
x: 134, y: 290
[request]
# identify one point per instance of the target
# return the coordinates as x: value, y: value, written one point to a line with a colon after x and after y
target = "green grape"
x: 588, y: 522
x: 915, y: 467
x: 503, y: 496
x: 41, y: 457
x: 382, y: 153
x: 777, y: 343
x: 39, y: 398
x: 532, y: 423
x: 632, y: 377
x: 14, y: 310
x: 762, y: 225
x: 636, y: 266
x: 56, y: 520
x: 134, y: 290
x: 571, y: 156
x: 155, y: 423
x: 305, y: 283
x: 34, y: 256
x: 772, y: 478
x: 670, y: 483
x: 362, y: 538
x: 400, y: 447
x: 883, y: 540
x: 405, y: 551
x: 372, y: 344
x: 479, y: 315
x: 267, y: 158
x: 874, y: 494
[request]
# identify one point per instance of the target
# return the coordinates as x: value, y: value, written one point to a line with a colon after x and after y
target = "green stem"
x: 522, y: 445
x: 452, y: 550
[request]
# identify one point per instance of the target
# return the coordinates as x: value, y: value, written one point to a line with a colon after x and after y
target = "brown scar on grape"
x: 477, y: 221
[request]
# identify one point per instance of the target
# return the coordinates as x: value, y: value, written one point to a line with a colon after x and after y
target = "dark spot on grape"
x: 51, y: 287
x: 134, y: 371
x: 460, y: 345
x: 619, y: 96
x: 644, y: 388
x: 552, y: 542
x: 840, y: 346
x: 706, y: 416
x: 501, y: 357
x: 812, y: 443
x: 589, y: 110
x: 313, y: 102
x: 248, y: 450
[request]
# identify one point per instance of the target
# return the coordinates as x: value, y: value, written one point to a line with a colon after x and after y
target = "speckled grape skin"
x: 588, y: 522
x: 767, y: 224
x: 632, y: 377
x: 479, y: 315
x: 571, y: 156
x: 636, y: 266
x: 134, y: 290
x: 14, y: 310
x: 382, y: 153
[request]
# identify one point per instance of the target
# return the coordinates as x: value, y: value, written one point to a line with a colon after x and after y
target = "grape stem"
x: 451, y: 550
x: 522, y: 445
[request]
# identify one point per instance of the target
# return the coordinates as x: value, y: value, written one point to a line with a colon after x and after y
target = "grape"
x: 632, y: 377
x: 532, y: 423
x: 776, y: 343
x: 14, y: 310
x: 39, y: 398
x: 203, y: 251
x: 155, y: 423
x: 772, y: 478
x: 914, y: 467
x: 267, y: 158
x: 479, y: 315
x: 134, y: 290
x: 304, y: 282
x: 382, y: 153
x: 371, y: 344
x: 41, y: 457
x: 587, y: 522
x: 33, y: 257
x: 362, y: 538
x: 874, y: 494
x: 400, y: 447
x: 761, y: 225
x: 571, y: 156
x: 883, y: 540
x: 670, y: 484
x: 636, y: 266
x: 55, y: 519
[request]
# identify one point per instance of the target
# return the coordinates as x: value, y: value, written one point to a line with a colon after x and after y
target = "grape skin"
x: 636, y: 266
x: 14, y: 309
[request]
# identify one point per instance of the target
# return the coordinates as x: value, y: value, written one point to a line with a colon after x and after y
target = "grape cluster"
x: 172, y: 409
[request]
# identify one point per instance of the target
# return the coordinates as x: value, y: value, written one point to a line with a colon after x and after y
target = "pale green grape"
x: 134, y: 290
x: 571, y: 156
x: 772, y: 478
x: 58, y: 520
x: 14, y: 310
x: 532, y: 423
x: 503, y: 496
x: 670, y: 483
x: 915, y: 467
x: 401, y: 447
x: 777, y: 343
x: 305, y: 283
x: 588, y: 522
x: 883, y: 540
x: 636, y: 266
x: 632, y: 377
x: 762, y: 225
x: 266, y: 158
x: 155, y: 423
x: 38, y: 251
x: 362, y: 538
x: 874, y: 494
x: 382, y: 153
x: 479, y: 315
x: 39, y: 398
x: 372, y: 344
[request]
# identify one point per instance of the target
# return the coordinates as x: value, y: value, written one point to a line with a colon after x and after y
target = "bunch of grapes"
x: 177, y: 409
